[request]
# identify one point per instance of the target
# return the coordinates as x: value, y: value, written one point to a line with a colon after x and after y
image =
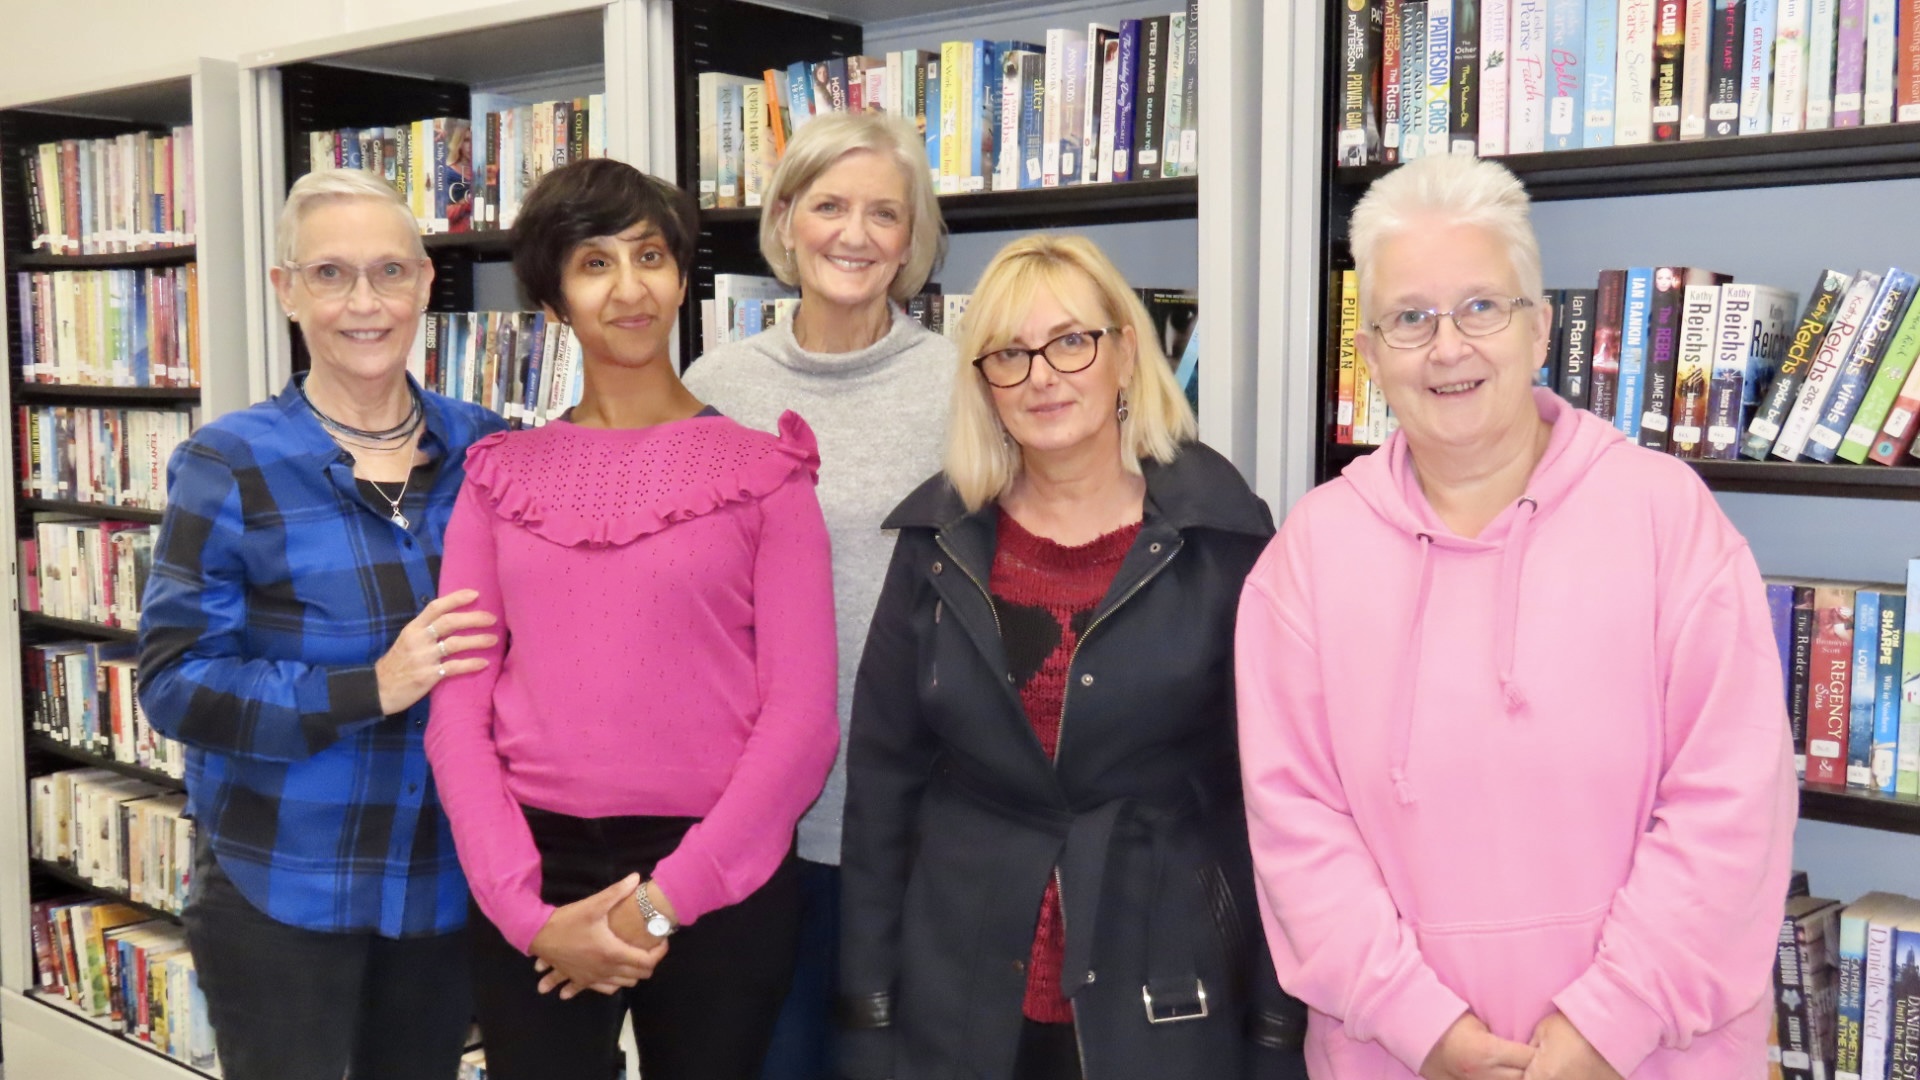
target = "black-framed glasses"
x: 1075, y: 350
x: 332, y: 280
x: 1476, y: 316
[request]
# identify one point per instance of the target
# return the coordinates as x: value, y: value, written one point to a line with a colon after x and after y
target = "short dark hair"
x: 595, y: 197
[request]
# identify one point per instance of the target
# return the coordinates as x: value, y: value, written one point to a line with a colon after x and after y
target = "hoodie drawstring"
x: 1506, y: 607
x: 1409, y: 670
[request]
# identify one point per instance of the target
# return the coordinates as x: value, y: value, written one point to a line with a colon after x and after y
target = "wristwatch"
x: 657, y: 922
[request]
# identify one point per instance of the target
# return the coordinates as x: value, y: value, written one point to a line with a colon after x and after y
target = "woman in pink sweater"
x: 1517, y: 773
x: 624, y: 777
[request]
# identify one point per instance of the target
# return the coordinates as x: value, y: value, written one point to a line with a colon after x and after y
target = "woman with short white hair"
x: 1512, y: 728
x: 851, y: 220
x: 1046, y: 866
x: 289, y: 636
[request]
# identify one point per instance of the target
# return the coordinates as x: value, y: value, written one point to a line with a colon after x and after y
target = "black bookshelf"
x: 66, y: 876
x: 51, y: 746
x: 1042, y: 208
x: 173, y: 256
x: 487, y: 244
x: 1835, y: 156
x: 1857, y: 806
x: 77, y: 628
x: 72, y: 1012
x: 62, y: 394
x: 91, y: 510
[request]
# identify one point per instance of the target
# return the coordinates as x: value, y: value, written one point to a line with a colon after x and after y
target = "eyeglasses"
x: 1477, y: 316
x: 1075, y: 350
x: 331, y: 280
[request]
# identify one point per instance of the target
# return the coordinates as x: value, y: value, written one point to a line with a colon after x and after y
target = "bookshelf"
x: 1767, y: 208
x: 44, y: 1037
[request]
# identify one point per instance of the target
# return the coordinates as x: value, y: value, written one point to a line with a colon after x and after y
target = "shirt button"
x: 1009, y: 676
x: 413, y: 789
x: 425, y: 599
x: 1086, y: 680
x: 1153, y: 548
x: 938, y: 566
x: 1020, y: 966
x: 1089, y: 977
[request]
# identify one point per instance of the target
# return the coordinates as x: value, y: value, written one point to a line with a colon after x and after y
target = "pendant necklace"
x: 398, y: 518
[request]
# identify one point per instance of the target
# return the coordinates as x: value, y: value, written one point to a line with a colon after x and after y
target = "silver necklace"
x: 398, y: 518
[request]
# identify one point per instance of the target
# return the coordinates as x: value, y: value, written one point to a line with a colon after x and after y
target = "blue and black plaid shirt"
x: 275, y: 587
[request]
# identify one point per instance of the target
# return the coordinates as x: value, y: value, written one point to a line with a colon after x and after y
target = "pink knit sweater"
x: 667, y: 603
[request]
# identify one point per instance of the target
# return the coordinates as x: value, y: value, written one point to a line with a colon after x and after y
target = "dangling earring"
x: 1006, y: 437
x: 793, y: 267
x: 1121, y: 412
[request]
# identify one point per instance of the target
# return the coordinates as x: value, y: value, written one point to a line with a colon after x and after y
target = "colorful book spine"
x: 1697, y: 63
x: 1883, y: 760
x: 1790, y: 66
x: 1496, y: 30
x: 1669, y: 67
x: 1906, y: 76
x: 1857, y: 369
x: 1633, y: 97
x: 1439, y: 76
x: 1783, y: 392
x: 1863, y: 687
x: 1576, y: 381
x: 1054, y: 144
x: 1756, y: 71
x: 1527, y: 81
x: 1822, y: 48
x: 1391, y: 41
x: 1693, y: 368
x: 1830, y: 684
x: 1822, y: 373
x: 1876, y: 103
x: 1413, y: 79
x: 1465, y: 95
x: 1850, y: 64
x: 1126, y: 99
x: 1633, y: 349
x: 1603, y: 35
x: 1609, y: 313
x: 1907, y: 749
x: 1725, y: 66
x: 1890, y: 378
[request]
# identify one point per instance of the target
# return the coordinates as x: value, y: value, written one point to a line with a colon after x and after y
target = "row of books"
x: 103, y: 456
x: 121, y: 834
x: 110, y: 327
x: 1846, y: 982
x: 132, y: 192
x: 82, y: 693
x: 1111, y: 103
x: 1845, y: 664
x: 1361, y: 416
x: 125, y: 971
x: 461, y: 175
x: 1495, y: 77
x: 520, y: 364
x: 87, y: 571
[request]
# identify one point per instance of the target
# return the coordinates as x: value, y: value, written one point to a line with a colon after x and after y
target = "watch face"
x: 658, y: 926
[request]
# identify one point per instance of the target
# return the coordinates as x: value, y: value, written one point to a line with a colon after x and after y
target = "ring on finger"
x: 442, y: 646
x: 442, y: 670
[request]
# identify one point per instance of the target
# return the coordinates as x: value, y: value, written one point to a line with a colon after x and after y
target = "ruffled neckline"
x: 500, y: 474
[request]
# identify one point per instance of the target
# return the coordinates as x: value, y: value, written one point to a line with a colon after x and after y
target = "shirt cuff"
x: 353, y: 695
x: 521, y: 928
x: 1613, y: 1020
x: 1410, y: 1021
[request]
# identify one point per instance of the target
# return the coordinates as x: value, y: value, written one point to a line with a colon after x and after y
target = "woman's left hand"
x: 1562, y: 1053
x: 627, y: 924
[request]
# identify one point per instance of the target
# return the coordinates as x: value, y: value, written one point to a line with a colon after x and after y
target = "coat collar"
x: 1198, y: 490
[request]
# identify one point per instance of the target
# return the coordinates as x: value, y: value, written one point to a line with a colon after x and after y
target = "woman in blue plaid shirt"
x: 290, y: 635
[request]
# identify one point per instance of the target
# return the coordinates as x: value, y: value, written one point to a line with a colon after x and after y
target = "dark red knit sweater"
x: 1044, y: 594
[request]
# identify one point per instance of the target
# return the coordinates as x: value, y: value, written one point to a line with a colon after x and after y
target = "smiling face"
x: 1455, y: 391
x: 850, y: 232
x: 363, y: 334
x: 623, y: 293
x: 1052, y: 413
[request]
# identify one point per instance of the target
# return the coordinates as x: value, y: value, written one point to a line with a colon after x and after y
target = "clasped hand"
x: 1557, y: 1051
x: 599, y: 943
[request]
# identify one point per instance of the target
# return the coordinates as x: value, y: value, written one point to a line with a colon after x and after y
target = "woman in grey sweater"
x: 851, y: 220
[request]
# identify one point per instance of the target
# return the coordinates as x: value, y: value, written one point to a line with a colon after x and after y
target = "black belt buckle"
x: 1181, y: 1007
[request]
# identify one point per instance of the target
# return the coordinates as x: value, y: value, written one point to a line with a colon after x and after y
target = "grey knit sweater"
x: 880, y: 415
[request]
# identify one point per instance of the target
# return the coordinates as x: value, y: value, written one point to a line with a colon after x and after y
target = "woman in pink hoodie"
x: 1517, y: 772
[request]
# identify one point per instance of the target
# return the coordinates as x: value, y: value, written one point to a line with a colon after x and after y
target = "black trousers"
x: 1047, y: 1052
x: 293, y: 1004
x: 706, y: 1014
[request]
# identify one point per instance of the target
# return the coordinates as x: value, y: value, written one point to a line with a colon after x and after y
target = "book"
x: 1850, y: 961
x: 1150, y: 90
x: 1527, y: 80
x: 1849, y: 64
x: 1464, y: 97
x: 1907, y: 747
x: 1725, y: 67
x: 1876, y: 103
x: 1863, y: 686
x: 1663, y: 340
x: 1634, y: 321
x: 1804, y: 986
x: 1696, y: 63
x: 1566, y: 85
x: 1756, y: 68
x: 1603, y: 34
x: 1755, y: 324
x: 1822, y: 39
x: 1413, y: 79
x: 1669, y: 60
x: 1850, y: 381
x: 1895, y: 436
x: 1882, y: 760
x: 1889, y: 379
x: 1609, y: 315
x: 1851, y: 314
x: 1830, y: 683
x: 1633, y: 96
x: 1439, y: 78
x: 1577, y: 352
x: 1790, y: 66
x: 1693, y: 367
x: 1784, y: 391
x: 1392, y: 19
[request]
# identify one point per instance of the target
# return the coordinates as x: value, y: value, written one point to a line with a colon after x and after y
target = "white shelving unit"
x: 43, y: 1040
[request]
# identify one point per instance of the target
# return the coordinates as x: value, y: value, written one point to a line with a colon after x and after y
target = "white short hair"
x: 1453, y: 189
x: 331, y: 185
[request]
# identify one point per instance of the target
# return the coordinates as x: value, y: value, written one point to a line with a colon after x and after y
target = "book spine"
x: 1850, y: 63
x: 1876, y: 103
x: 1903, y: 1042
x: 1602, y: 77
x: 1109, y: 112
x: 1093, y: 102
x: 1439, y: 83
x: 1693, y: 368
x: 1566, y: 39
x: 1756, y: 79
x: 1633, y: 350
x: 1663, y: 346
x: 1907, y: 749
x: 1823, y: 371
x: 1465, y: 97
x: 1876, y: 1019
x: 1725, y: 67
x: 1496, y: 30
x: 1863, y: 686
x: 1850, y: 964
x: 1149, y: 115
x: 1733, y: 328
x: 1772, y: 413
x: 754, y: 141
x: 1175, y: 94
x: 1822, y: 41
x: 1790, y: 1000
x: 1906, y: 96
x: 984, y: 110
x: 1897, y: 431
x: 1413, y: 79
x: 1349, y: 367
x: 1053, y: 144
x: 1390, y: 62
x: 1033, y: 107
x: 1609, y: 311
x: 1889, y: 378
x: 1882, y: 761
x: 1633, y: 97
x: 1790, y: 66
x: 1126, y: 99
x: 1669, y: 67
x: 1011, y: 143
x: 1527, y: 81
x: 1850, y: 378
x: 1695, y: 83
x: 1830, y: 684
x: 1190, y: 118
x: 951, y: 59
x: 1577, y: 355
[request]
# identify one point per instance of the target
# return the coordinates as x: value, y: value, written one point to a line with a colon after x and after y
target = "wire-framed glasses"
x: 1476, y: 316
x: 332, y: 280
x: 1075, y: 350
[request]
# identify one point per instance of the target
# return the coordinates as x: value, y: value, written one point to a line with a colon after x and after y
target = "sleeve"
x: 740, y: 842
x: 1337, y: 938
x: 1689, y: 940
x: 197, y: 684
x: 490, y: 833
x: 890, y: 754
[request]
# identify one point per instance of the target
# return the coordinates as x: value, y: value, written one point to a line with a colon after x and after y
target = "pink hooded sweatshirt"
x: 1544, y: 769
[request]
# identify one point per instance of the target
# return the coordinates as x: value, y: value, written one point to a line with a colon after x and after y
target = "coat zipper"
x: 984, y: 591
x: 1060, y: 738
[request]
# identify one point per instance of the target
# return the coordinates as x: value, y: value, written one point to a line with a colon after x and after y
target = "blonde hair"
x: 1456, y: 190
x: 825, y: 140
x: 981, y: 462
x: 331, y: 185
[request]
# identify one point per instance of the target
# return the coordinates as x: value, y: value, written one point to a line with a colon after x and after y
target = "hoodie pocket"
x: 1509, y: 972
